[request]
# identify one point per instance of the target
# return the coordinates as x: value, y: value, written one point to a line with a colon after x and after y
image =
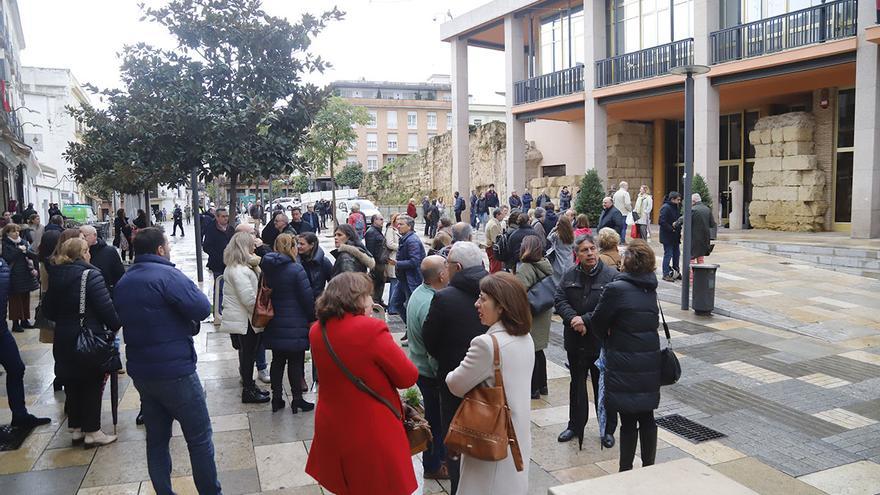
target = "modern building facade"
x: 790, y: 109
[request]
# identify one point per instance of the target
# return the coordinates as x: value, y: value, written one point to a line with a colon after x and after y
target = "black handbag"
x: 94, y: 349
x: 541, y: 295
x: 670, y: 368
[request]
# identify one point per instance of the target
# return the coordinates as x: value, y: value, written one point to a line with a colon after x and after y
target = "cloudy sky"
x: 392, y: 40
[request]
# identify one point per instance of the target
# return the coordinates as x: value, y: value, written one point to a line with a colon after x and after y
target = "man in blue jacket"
x: 408, y: 263
x: 11, y: 361
x: 161, y: 309
x: 670, y: 236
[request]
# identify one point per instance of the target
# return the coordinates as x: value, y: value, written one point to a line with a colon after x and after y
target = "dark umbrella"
x: 581, y: 403
x: 114, y: 398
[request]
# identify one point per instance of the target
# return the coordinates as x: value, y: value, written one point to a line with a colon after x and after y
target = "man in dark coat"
x: 217, y: 236
x: 451, y: 324
x: 564, y: 198
x: 542, y: 198
x: 374, y: 241
x: 297, y: 223
x: 11, y: 361
x: 177, y: 215
x: 550, y: 217
x: 311, y: 217
x: 514, y: 242
x: 474, y: 213
x: 458, y: 206
x: 526, y: 201
x: 54, y: 210
x: 426, y: 207
x: 514, y: 201
x: 104, y: 257
x: 28, y: 211
x: 161, y: 310
x: 670, y: 236
x: 702, y: 223
x: 611, y: 217
x: 576, y: 297
x: 407, y: 264
x: 56, y: 223
x: 492, y: 197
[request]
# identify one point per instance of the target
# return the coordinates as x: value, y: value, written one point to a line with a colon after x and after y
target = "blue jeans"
x: 400, y: 298
x: 484, y: 219
x: 392, y: 288
x: 11, y: 361
x: 670, y: 253
x: 261, y: 356
x: 433, y: 458
x: 181, y: 399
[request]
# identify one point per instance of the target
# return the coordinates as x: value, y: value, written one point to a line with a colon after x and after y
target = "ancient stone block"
x: 762, y: 150
x: 782, y: 193
x: 798, y: 133
x: 792, y: 148
x: 766, y: 136
x: 812, y: 178
x: 755, y: 137
x: 759, y: 194
x: 758, y: 207
x: 811, y: 193
x: 790, y: 178
x: 776, y: 148
x: 800, y: 162
x: 765, y: 178
x: 536, y: 183
x: 776, y: 134
x: 768, y: 164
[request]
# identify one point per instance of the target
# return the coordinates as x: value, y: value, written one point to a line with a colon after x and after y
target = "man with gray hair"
x: 538, y: 225
x: 409, y: 258
x: 623, y: 203
x: 435, y: 276
x: 702, y: 223
x: 451, y: 324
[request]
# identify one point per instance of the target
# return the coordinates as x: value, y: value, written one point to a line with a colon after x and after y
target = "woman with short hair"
x: 608, y: 241
x: 22, y: 276
x: 583, y: 225
x: 532, y: 269
x: 504, y: 307
x: 360, y: 446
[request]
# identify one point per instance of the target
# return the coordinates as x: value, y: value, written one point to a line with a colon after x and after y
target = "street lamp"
x: 688, y: 71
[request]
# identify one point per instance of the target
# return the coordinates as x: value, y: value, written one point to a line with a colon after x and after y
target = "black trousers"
x: 378, y: 276
x: 84, y: 401
x: 294, y: 362
x: 637, y: 427
x: 247, y: 356
x: 448, y: 406
x: 539, y: 372
x: 580, y: 365
x: 177, y: 223
x: 457, y: 216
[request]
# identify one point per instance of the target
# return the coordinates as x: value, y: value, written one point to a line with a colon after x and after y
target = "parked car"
x: 343, y: 208
x: 287, y: 203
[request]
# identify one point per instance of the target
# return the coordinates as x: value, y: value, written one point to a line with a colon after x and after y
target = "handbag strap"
x: 499, y: 382
x: 663, y: 318
x: 354, y: 379
x: 82, y: 295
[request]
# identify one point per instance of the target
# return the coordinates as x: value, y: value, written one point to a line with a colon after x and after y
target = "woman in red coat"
x: 411, y: 206
x: 359, y: 447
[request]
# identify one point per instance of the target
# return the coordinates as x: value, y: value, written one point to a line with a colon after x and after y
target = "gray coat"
x: 702, y: 222
x: 530, y: 274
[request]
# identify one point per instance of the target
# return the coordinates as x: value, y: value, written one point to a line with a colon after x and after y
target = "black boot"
x: 16, y: 326
x: 253, y: 395
x: 648, y: 444
x: 277, y: 403
x: 300, y: 403
x: 627, y: 448
x: 26, y: 324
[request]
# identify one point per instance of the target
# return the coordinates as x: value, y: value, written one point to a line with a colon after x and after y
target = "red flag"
x: 6, y: 107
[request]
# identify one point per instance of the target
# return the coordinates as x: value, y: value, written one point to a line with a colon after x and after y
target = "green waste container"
x: 704, y: 288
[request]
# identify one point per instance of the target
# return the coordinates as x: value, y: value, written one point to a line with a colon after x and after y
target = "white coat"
x: 392, y: 240
x: 517, y: 360
x: 644, y: 205
x: 240, y: 284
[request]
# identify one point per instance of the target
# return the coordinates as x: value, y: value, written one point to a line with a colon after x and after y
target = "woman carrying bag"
x: 83, y: 382
x: 287, y: 333
x: 22, y: 277
x: 239, y: 298
x: 533, y: 268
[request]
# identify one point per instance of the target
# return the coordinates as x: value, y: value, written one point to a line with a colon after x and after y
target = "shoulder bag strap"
x: 82, y: 296
x: 663, y: 318
x: 511, y: 432
x: 354, y: 379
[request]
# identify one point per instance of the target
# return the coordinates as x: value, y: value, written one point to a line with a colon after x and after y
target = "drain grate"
x: 686, y: 428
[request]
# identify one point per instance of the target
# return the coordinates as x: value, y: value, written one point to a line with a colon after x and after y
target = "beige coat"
x: 240, y: 284
x: 530, y: 274
x: 517, y: 360
x: 392, y: 240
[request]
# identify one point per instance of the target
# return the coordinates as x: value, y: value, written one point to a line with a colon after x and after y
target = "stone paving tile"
x: 123, y: 489
x: 688, y: 327
x: 764, y: 479
x: 754, y: 372
x: 695, y: 339
x: 282, y: 465
x: 863, y: 442
x: 724, y: 350
x: 869, y: 409
x: 857, y: 478
x: 823, y: 380
x: 806, y: 348
x: 844, y: 418
x: 803, y: 396
x: 49, y: 482
x: 762, y: 293
x: 833, y: 302
x: 863, y: 356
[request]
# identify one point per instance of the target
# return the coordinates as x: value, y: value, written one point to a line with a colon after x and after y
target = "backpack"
x: 360, y: 225
x: 501, y: 246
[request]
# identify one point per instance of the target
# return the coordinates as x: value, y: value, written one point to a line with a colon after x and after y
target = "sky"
x: 389, y: 40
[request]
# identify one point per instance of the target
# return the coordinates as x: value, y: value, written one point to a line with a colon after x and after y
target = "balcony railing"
x: 650, y: 62
x: 560, y: 83
x: 828, y: 21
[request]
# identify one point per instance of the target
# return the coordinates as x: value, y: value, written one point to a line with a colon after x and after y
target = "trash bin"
x: 704, y: 288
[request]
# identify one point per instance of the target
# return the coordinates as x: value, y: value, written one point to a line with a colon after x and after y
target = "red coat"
x: 360, y: 447
x: 411, y: 208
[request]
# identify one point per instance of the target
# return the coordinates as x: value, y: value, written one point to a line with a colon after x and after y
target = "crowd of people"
x: 469, y: 310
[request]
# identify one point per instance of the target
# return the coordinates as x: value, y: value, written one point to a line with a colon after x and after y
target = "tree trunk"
x: 147, y: 207
x: 333, y: 194
x: 197, y: 222
x: 233, y: 193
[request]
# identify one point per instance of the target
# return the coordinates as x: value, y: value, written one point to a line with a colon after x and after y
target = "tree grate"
x: 686, y: 428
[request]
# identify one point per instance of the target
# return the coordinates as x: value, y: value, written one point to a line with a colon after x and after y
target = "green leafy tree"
x: 589, y: 199
x: 330, y: 134
x: 277, y: 187
x: 300, y: 184
x: 351, y: 175
x: 702, y: 189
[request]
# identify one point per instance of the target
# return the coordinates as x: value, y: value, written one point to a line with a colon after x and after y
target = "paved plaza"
x: 791, y: 376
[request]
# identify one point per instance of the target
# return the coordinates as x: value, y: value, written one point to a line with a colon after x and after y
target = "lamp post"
x: 688, y: 71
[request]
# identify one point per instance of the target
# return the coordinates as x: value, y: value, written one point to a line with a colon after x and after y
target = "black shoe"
x: 608, y: 441
x: 278, y: 404
x: 565, y: 436
x: 300, y: 403
x: 544, y: 391
x: 536, y: 394
x: 253, y: 395
x: 668, y: 278
x: 16, y: 327
x: 29, y: 421
x: 404, y: 338
x: 139, y: 420
x: 26, y: 324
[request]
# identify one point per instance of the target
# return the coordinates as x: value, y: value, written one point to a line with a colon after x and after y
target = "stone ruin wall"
x: 630, y: 155
x: 788, y: 185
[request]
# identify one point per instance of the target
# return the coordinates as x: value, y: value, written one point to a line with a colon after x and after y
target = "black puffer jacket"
x: 293, y: 302
x: 106, y: 258
x: 375, y: 242
x: 452, y: 320
x: 626, y: 318
x: 577, y: 295
x: 352, y: 257
x: 514, y: 243
x: 21, y: 279
x: 319, y: 270
x: 61, y: 304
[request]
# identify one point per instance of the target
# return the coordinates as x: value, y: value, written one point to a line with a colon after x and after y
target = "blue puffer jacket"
x: 160, y: 309
x: 409, y: 260
x: 292, y: 299
x: 319, y: 270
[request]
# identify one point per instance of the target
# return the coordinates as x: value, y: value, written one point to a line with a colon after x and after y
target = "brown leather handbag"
x: 482, y: 427
x: 418, y: 432
x: 263, y: 310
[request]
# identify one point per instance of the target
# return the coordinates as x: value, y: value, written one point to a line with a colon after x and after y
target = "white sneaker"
x: 76, y: 434
x: 98, y: 438
x: 263, y: 376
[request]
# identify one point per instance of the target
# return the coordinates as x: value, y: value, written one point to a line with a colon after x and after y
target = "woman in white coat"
x: 504, y: 307
x: 643, y: 207
x: 241, y: 281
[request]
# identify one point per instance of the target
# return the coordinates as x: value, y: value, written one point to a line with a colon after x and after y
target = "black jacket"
x: 564, y: 200
x: 106, y: 259
x: 61, y: 304
x: 702, y: 221
x: 514, y: 242
x: 214, y: 244
x: 611, y: 218
x: 293, y: 302
x: 577, y: 295
x: 626, y: 319
x: 301, y: 227
x: 452, y: 320
x: 483, y: 205
x: 269, y: 234
x: 375, y: 243
x: 21, y: 279
x: 668, y: 215
x: 492, y: 199
x: 319, y: 269
x: 347, y: 261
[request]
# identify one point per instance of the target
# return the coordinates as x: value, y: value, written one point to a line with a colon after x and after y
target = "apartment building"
x: 789, y: 110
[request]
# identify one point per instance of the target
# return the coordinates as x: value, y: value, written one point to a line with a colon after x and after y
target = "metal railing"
x: 828, y: 21
x: 643, y: 64
x: 560, y: 83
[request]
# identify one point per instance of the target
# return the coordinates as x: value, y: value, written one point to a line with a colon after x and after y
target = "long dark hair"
x: 349, y: 232
x: 564, y: 231
x: 312, y: 239
x: 120, y: 214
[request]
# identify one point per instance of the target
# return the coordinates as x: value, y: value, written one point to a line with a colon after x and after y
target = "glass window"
x: 390, y: 158
x: 372, y: 141
x: 843, y: 180
x: 372, y: 163
x: 392, y: 142
x: 432, y: 120
x: 448, y: 121
x: 351, y: 160
x: 846, y: 118
x: 412, y: 142
x: 562, y: 41
x: 723, y: 137
x: 391, y: 119
x: 371, y: 123
x: 683, y: 10
x: 411, y: 120
x: 641, y: 24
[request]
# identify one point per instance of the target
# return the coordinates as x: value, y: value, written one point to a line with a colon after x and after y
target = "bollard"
x: 704, y: 288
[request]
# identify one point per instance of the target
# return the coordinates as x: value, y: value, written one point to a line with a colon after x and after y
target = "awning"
x: 14, y: 153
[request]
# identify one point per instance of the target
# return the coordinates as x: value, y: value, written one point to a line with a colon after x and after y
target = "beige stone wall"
x: 823, y: 135
x: 630, y: 154
x: 553, y: 185
x: 788, y: 191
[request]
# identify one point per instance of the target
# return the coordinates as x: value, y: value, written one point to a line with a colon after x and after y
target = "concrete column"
x: 461, y: 176
x: 866, y: 160
x: 595, y: 116
x: 514, y: 70
x: 706, y: 100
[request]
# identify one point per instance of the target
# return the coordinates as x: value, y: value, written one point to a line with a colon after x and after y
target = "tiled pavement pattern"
x: 759, y: 383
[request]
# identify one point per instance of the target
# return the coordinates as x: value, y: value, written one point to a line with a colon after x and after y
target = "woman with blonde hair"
x: 642, y: 209
x: 241, y: 282
x: 82, y: 384
x: 608, y: 241
x: 287, y: 334
x: 360, y: 445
